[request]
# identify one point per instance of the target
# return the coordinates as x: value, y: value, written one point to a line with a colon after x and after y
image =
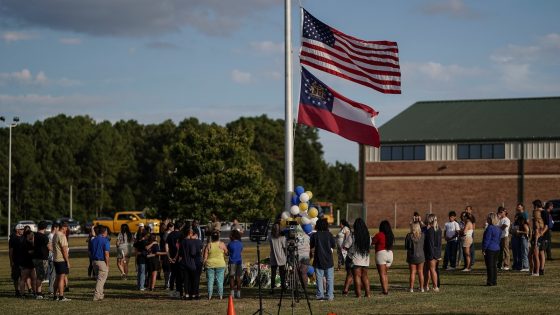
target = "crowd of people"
x: 182, y: 251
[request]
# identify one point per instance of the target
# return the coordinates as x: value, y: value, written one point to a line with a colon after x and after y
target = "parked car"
x: 556, y: 214
x: 131, y: 218
x: 48, y: 230
x: 73, y: 225
x: 29, y: 223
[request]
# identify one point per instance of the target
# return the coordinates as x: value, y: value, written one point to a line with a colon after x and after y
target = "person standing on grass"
x: 359, y: 255
x: 171, y: 248
x: 124, y: 249
x: 343, y: 234
x: 543, y: 234
x: 467, y: 240
x: 235, y: 248
x: 469, y: 210
x: 414, y: 245
x: 277, y: 256
x: 525, y: 233
x: 235, y: 225
x: 214, y: 259
x: 61, y: 261
x: 504, y: 224
x: 152, y: 260
x: 322, y: 245
x: 141, y: 259
x: 16, y: 253
x: 190, y: 262
x: 537, y: 242
x: 303, y: 248
x: 40, y: 258
x: 51, y: 273
x: 491, y: 247
x: 383, y: 242
x: 451, y: 233
x: 99, y: 253
x: 432, y: 252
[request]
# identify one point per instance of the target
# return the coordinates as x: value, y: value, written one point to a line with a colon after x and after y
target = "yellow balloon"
x: 298, y: 220
x: 310, y: 194
x: 303, y: 206
x: 313, y: 212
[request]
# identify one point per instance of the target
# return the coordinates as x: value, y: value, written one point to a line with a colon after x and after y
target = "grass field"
x: 461, y: 293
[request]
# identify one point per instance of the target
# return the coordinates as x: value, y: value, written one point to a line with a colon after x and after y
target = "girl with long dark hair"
x: 124, y: 248
x: 432, y: 252
x: 383, y: 242
x: 359, y: 255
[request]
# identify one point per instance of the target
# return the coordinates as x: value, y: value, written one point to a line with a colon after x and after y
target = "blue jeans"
x: 516, y: 252
x: 329, y: 273
x: 215, y: 274
x: 450, y: 254
x: 141, y: 276
x: 524, y: 252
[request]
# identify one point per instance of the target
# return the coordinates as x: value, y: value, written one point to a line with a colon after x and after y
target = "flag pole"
x: 289, y: 125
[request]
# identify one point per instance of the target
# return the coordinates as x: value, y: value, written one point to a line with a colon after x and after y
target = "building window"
x: 476, y: 151
x: 403, y: 152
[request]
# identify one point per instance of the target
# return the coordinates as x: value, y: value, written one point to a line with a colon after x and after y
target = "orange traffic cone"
x: 230, y: 308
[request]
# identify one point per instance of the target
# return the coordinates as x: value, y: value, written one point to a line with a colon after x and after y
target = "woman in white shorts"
x: 358, y: 257
x: 383, y: 242
x: 124, y: 248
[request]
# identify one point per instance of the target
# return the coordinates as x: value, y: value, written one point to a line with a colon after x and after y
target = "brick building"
x: 444, y: 155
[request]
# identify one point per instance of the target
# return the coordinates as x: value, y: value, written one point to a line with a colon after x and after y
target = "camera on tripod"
x: 291, y: 237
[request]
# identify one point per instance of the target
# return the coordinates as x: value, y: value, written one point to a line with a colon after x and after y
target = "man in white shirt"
x: 451, y: 233
x: 504, y: 224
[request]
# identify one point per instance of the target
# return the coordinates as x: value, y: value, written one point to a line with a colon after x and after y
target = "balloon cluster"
x: 301, y: 211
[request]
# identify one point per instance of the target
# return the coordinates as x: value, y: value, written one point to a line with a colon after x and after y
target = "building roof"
x: 513, y: 119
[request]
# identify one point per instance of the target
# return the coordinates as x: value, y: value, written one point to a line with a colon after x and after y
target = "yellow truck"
x: 130, y: 218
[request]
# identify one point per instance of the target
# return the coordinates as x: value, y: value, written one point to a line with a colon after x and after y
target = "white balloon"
x: 285, y: 215
x: 305, y: 220
x: 314, y: 221
x: 294, y: 210
x: 304, y: 197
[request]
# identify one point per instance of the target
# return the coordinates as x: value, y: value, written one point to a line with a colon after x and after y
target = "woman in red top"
x: 383, y: 242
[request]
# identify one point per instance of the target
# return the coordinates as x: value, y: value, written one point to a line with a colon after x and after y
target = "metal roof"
x: 481, y: 120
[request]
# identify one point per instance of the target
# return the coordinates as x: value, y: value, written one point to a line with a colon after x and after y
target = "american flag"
x: 371, y: 63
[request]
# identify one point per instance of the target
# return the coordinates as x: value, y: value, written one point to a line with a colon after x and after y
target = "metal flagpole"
x: 288, y: 127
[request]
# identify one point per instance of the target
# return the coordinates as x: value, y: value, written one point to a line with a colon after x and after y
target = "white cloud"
x: 452, y: 8
x: 70, y: 41
x: 25, y: 77
x: 240, y: 77
x: 22, y: 77
x: 439, y: 72
x: 17, y: 36
x: 268, y: 47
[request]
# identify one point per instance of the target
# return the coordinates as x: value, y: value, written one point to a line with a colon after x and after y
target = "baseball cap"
x: 19, y: 227
x: 141, y: 224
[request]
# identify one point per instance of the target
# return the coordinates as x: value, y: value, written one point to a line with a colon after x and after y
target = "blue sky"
x: 218, y: 60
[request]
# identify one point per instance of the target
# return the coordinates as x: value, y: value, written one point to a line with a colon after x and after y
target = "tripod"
x: 293, y: 277
x: 258, y: 233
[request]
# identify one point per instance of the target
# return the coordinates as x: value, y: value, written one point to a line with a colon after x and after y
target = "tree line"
x: 185, y: 170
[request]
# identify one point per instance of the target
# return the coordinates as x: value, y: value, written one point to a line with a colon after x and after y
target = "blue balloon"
x: 295, y: 200
x: 307, y: 228
x: 299, y: 191
x: 310, y: 271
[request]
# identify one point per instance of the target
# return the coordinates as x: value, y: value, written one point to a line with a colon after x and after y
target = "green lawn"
x: 516, y: 293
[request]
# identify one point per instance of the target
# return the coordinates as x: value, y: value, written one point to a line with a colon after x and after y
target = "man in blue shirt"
x: 99, y: 253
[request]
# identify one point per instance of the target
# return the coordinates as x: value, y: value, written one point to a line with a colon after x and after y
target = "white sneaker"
x: 524, y: 270
x: 422, y: 290
x: 64, y: 299
x: 449, y: 268
x: 411, y: 290
x: 232, y: 293
x: 238, y: 294
x: 505, y: 268
x: 466, y: 270
x: 535, y: 274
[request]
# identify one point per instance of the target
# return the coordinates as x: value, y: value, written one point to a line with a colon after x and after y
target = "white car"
x: 29, y: 223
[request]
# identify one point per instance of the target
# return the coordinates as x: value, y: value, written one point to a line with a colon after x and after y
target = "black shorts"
x: 61, y: 268
x: 152, y: 264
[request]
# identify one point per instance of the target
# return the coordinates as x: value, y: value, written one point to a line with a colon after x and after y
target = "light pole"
x: 10, y: 125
